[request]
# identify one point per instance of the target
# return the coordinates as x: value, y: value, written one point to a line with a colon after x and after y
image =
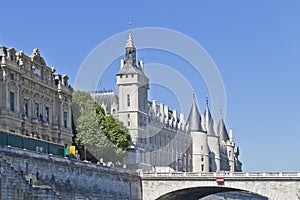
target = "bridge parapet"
x: 220, y: 174
x: 271, y: 185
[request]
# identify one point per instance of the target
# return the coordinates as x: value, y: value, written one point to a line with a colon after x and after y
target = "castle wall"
x: 42, y: 176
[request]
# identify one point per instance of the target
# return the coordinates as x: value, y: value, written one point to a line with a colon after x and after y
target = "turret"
x: 222, y: 131
x: 213, y: 140
x: 130, y: 54
x: 200, y: 159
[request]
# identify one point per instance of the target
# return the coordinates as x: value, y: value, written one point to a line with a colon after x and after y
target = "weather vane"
x: 129, y: 23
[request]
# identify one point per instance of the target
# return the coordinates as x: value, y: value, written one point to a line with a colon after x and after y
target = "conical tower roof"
x: 222, y: 130
x: 209, y: 122
x: 194, y: 118
x: 130, y: 43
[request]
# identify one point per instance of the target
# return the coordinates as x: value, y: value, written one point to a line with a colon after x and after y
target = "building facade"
x: 35, y: 101
x: 159, y: 137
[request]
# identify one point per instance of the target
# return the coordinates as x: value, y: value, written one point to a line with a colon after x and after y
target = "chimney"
x: 182, y: 118
x: 230, y: 135
x: 154, y: 105
x: 122, y: 63
x: 161, y: 109
x: 166, y: 110
x: 175, y: 114
x: 141, y: 63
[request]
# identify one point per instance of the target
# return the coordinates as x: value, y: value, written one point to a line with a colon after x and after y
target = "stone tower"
x: 200, y: 149
x: 133, y: 86
x: 213, y: 141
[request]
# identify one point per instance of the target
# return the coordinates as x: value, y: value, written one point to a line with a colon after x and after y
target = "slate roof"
x: 194, y: 118
x: 209, y: 122
x: 222, y: 130
x: 129, y: 69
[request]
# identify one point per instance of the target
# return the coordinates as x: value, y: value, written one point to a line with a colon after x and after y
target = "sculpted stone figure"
x: 36, y: 57
x: 19, y: 56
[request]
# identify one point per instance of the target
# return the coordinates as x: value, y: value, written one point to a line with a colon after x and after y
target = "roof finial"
x: 129, y: 23
x: 221, y: 112
x: 194, y: 97
x: 207, y: 100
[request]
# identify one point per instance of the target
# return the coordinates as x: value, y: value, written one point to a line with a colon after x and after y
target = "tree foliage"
x: 103, y: 135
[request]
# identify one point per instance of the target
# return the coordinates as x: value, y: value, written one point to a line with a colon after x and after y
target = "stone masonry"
x: 31, y: 175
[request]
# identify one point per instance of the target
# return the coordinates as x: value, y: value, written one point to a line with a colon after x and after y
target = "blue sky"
x: 255, y: 45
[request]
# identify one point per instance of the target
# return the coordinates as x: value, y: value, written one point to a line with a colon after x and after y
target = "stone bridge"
x: 193, y: 186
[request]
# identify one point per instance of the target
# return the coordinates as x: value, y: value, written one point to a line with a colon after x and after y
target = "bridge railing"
x: 219, y: 174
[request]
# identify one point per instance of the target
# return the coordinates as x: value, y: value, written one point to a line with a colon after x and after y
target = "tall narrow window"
x: 11, y: 76
x: 12, y: 101
x: 36, y: 109
x: 128, y: 100
x: 25, y: 107
x: 65, y: 119
x: 202, y: 168
x: 47, y: 113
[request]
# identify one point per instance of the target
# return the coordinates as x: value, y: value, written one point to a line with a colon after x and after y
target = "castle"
x: 159, y: 137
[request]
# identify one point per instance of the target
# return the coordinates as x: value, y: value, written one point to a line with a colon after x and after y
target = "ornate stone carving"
x: 19, y: 56
x: 36, y: 57
x: 3, y: 58
x: 11, y: 54
x: 65, y: 79
x: 53, y: 70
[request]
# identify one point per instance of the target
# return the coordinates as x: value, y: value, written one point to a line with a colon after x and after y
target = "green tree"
x: 102, y: 135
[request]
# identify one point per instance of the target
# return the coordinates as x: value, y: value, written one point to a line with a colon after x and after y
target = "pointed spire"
x: 209, y: 122
x: 130, y: 43
x: 222, y: 130
x: 194, y: 118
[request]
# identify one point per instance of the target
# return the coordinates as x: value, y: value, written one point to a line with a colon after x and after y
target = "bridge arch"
x: 272, y: 185
x: 196, y: 193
